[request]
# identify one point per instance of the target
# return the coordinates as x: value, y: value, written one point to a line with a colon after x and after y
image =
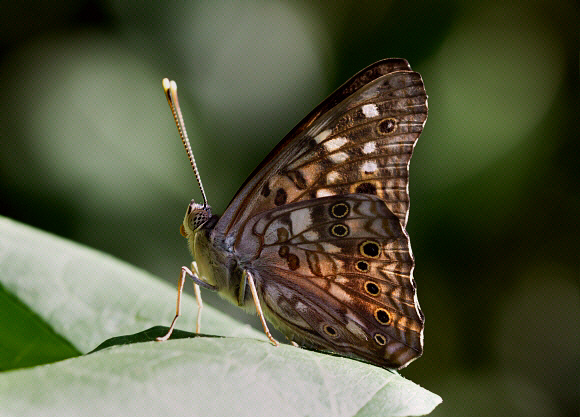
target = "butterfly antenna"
x: 170, y: 88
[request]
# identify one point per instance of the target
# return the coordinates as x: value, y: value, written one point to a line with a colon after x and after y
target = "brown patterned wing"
x: 359, y: 140
x: 336, y: 273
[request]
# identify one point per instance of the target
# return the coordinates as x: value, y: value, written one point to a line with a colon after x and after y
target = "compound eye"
x: 196, y: 216
x: 198, y: 219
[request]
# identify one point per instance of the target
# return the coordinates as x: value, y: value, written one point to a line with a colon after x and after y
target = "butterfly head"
x: 195, y: 217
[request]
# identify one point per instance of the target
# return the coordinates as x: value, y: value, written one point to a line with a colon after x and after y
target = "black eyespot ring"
x: 370, y: 249
x: 380, y: 339
x: 382, y: 316
x: 339, y: 210
x: 372, y: 288
x: 329, y: 330
x: 339, y: 230
x: 362, y: 266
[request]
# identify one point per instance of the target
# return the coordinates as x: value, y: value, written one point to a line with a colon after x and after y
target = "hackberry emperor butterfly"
x: 315, y: 238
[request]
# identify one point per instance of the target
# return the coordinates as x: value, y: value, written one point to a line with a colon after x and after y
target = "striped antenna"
x: 170, y: 88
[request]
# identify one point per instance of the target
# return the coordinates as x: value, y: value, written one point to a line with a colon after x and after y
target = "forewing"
x: 359, y: 140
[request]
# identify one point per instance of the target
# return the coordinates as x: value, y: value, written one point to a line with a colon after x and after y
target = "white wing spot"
x: 322, y: 135
x: 300, y: 220
x: 369, y: 147
x: 310, y: 235
x: 338, y: 157
x: 324, y: 192
x: 370, y: 110
x: 369, y: 166
x: 329, y: 247
x: 334, y: 144
x: 332, y: 177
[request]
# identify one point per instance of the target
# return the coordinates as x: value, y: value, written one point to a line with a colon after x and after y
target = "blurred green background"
x: 88, y: 150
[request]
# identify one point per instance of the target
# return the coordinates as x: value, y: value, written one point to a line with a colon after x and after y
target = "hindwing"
x: 336, y: 273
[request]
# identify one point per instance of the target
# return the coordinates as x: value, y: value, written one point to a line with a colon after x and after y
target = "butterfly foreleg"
x: 247, y: 277
x: 186, y: 272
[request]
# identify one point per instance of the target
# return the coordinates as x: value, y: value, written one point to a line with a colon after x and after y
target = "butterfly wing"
x: 317, y: 286
x: 359, y: 140
x: 336, y: 273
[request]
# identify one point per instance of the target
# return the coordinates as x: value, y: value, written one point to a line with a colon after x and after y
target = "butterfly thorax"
x: 216, y: 264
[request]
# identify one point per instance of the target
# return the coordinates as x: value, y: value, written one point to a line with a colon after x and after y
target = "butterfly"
x: 315, y: 238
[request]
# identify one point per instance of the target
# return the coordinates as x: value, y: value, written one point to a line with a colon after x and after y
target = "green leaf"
x: 149, y: 335
x: 85, y: 296
x: 80, y: 298
x: 210, y: 377
x: 25, y: 340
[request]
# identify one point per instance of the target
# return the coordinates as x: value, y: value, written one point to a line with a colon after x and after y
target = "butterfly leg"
x: 178, y: 308
x: 199, y: 307
x: 197, y: 292
x: 185, y: 272
x: 247, y: 276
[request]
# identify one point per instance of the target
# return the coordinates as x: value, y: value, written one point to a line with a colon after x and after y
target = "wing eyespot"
x: 380, y: 339
x: 382, y: 316
x: 362, y: 266
x: 339, y: 230
x: 330, y: 331
x: 370, y: 249
x: 339, y: 210
x: 372, y: 288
